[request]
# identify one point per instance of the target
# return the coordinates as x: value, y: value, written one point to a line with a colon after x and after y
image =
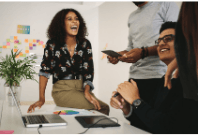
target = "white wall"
x: 38, y: 15
x: 113, y: 30
x: 106, y: 24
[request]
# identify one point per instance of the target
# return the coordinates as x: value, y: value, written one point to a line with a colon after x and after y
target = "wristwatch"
x: 136, y: 103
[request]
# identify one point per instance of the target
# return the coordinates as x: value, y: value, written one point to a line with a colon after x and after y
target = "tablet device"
x: 111, y: 53
x: 96, y: 121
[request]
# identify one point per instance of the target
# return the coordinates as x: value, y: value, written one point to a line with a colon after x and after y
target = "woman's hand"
x: 129, y: 91
x: 118, y: 102
x: 91, y: 99
x: 171, y: 67
x: 36, y: 104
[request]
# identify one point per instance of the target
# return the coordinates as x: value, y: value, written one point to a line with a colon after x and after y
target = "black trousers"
x: 147, y: 88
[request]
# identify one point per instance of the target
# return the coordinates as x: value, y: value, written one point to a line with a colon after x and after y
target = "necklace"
x: 70, y: 50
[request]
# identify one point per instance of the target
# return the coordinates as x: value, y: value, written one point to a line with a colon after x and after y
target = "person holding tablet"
x: 161, y: 114
x: 174, y: 110
x: 68, y: 57
x: 144, y: 24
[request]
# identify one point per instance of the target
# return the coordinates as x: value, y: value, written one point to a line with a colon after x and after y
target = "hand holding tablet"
x: 112, y: 53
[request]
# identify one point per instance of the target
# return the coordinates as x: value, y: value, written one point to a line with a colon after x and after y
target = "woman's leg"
x: 69, y: 93
x: 76, y: 99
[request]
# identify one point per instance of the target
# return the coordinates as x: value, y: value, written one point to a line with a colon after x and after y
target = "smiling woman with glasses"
x: 166, y: 38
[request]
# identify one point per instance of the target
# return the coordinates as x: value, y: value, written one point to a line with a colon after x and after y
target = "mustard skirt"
x: 70, y: 93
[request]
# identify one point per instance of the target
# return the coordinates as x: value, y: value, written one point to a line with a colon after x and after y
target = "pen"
x: 116, y: 94
x: 59, y: 112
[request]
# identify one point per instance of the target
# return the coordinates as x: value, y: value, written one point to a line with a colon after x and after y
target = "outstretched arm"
x: 42, y: 85
x: 45, y: 72
x: 138, y: 53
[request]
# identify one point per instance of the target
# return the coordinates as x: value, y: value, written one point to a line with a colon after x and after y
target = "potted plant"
x: 14, y: 71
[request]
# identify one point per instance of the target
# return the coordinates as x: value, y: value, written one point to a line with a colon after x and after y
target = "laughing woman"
x: 68, y: 57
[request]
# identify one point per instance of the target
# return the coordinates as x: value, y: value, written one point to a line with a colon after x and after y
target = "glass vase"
x: 8, y: 95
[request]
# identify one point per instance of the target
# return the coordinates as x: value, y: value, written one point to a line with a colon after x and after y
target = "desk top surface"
x: 11, y: 120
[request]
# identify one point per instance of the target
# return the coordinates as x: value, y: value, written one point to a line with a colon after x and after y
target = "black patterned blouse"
x: 57, y: 61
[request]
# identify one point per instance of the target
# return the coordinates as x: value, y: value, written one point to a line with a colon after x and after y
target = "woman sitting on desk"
x: 68, y: 57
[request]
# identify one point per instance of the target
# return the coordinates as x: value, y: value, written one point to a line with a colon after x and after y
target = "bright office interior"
x: 106, y: 23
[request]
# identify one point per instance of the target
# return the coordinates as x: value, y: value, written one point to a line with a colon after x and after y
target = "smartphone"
x: 112, y: 53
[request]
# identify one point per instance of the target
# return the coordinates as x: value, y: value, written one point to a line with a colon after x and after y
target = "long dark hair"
x: 56, y: 30
x: 186, y: 48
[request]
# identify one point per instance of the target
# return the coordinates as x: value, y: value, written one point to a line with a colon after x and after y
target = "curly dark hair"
x: 56, y: 30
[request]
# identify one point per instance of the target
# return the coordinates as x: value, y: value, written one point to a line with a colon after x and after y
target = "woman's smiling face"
x: 166, y: 50
x: 71, y: 24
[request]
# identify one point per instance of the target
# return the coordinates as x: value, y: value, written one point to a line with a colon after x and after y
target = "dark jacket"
x: 168, y: 112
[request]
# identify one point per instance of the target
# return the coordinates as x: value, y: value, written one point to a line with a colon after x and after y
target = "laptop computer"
x: 37, y: 120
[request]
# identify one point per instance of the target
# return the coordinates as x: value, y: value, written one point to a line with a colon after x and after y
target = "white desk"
x: 11, y: 120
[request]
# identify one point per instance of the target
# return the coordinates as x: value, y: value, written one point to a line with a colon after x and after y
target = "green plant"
x: 14, y: 71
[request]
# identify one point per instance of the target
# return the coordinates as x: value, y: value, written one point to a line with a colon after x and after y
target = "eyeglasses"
x: 166, y: 39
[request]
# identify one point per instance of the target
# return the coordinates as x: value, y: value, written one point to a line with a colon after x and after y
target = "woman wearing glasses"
x: 68, y: 57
